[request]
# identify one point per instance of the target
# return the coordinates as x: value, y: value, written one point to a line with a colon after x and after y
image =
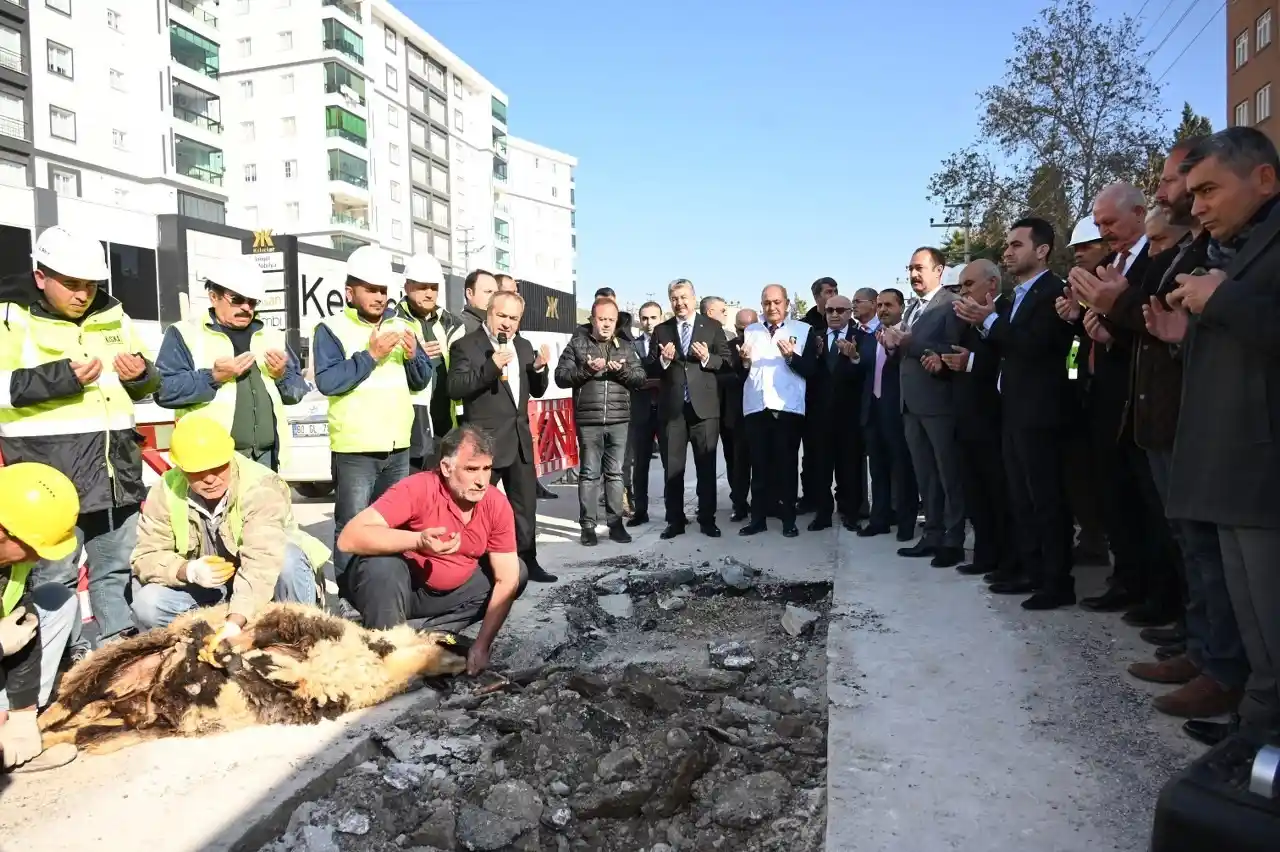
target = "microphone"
x: 502, y: 342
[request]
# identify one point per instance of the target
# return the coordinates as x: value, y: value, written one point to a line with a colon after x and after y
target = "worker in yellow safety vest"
x: 434, y: 414
x: 218, y: 530
x: 38, y: 511
x: 368, y: 362
x: 231, y: 366
x: 71, y: 367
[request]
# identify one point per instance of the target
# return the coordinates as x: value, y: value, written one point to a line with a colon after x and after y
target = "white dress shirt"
x: 771, y: 384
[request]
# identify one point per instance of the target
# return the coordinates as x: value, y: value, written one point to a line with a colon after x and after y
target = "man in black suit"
x: 645, y: 424
x: 833, y: 435
x: 821, y: 290
x: 733, y: 439
x: 493, y: 372
x: 1033, y: 343
x: 685, y: 353
x: 974, y: 365
x: 895, y: 498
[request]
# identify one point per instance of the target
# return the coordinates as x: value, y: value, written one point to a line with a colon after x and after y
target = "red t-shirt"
x: 422, y: 501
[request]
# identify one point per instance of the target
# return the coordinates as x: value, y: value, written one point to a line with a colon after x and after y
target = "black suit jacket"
x: 1112, y: 369
x: 835, y: 395
x: 890, y: 382
x: 730, y: 377
x: 1033, y: 348
x: 686, y: 370
x: 974, y: 394
x: 487, y: 402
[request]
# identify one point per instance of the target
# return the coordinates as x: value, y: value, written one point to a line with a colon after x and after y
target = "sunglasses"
x: 237, y: 301
x: 837, y: 310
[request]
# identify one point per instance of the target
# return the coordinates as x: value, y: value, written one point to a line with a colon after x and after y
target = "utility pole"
x: 467, y: 250
x: 963, y: 223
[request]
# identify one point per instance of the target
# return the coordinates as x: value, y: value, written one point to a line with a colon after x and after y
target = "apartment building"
x: 535, y: 220
x: 1253, y: 63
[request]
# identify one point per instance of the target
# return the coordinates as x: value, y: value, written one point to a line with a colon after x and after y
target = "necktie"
x: 686, y: 335
x: 1122, y: 260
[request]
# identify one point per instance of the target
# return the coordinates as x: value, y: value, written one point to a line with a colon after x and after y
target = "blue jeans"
x: 155, y: 605
x: 58, y: 614
x: 1213, y: 637
x: 358, y: 480
x: 601, y: 451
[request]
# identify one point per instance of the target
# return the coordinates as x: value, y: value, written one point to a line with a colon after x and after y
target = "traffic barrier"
x: 555, y: 435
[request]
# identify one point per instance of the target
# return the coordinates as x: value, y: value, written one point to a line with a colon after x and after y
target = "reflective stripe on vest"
x: 376, y: 415
x: 248, y: 474
x: 1073, y: 367
x: 206, y: 346
x: 18, y: 575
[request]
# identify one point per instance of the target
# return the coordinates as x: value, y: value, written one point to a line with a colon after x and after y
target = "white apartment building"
x: 536, y: 226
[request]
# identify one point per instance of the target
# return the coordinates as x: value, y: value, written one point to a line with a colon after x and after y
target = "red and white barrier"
x: 555, y: 435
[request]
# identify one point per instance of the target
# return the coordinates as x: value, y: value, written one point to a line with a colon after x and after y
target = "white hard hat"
x: 1085, y: 232
x: 423, y: 269
x: 951, y: 276
x: 372, y: 265
x: 72, y: 255
x: 239, y: 274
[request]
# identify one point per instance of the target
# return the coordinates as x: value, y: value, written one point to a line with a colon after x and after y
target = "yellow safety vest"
x: 248, y: 475
x: 18, y: 575
x: 206, y: 346
x: 424, y: 396
x: 376, y: 416
x: 1073, y: 365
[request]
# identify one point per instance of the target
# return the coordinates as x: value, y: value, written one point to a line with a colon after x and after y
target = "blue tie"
x: 686, y: 335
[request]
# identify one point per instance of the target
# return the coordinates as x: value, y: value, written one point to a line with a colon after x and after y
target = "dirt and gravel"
x: 685, y: 711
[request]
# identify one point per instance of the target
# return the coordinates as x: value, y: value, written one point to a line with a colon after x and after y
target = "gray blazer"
x: 937, y: 328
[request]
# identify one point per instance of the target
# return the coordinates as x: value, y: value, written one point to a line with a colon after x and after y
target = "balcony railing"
x: 196, y: 12
x: 344, y: 47
x: 13, y: 61
x: 201, y: 173
x: 500, y: 148
x: 349, y: 177
x: 501, y: 237
x: 196, y: 65
x: 348, y: 219
x: 336, y: 89
x: 198, y: 119
x: 350, y: 10
x: 13, y: 127
x: 343, y: 133
x: 503, y: 266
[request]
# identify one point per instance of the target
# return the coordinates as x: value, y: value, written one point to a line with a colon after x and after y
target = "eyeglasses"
x: 237, y: 300
x: 837, y: 310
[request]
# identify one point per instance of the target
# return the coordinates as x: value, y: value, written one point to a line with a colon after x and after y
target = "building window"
x: 289, y: 125
x: 1242, y: 48
x: 134, y: 280
x: 118, y: 139
x: 417, y: 62
x: 1264, y: 30
x: 457, y: 86
x: 290, y: 169
x: 418, y: 170
x: 435, y: 109
x: 393, y: 152
x: 393, y: 115
x: 117, y: 80
x: 250, y: 173
x: 12, y: 172
x: 395, y: 191
x: 457, y: 119
x: 397, y: 229
x: 244, y: 47
x: 199, y: 207
x: 439, y: 213
x: 61, y: 60
x: 1242, y: 114
x: 389, y: 39
x: 246, y: 90
x: 291, y: 210
x: 285, y: 38
x: 439, y: 145
x: 120, y: 196
x: 64, y: 181
x: 417, y: 133
x: 436, y: 75
x: 114, y: 19
x: 63, y: 6
x: 554, y: 192
x: 393, y: 79
x: 420, y: 206
x: 439, y: 178
x: 247, y: 131
x: 286, y: 84
x: 1262, y: 104
x: 62, y: 123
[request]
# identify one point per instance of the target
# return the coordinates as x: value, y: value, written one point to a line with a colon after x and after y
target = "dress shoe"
x: 1044, y: 600
x: 545, y: 493
x: 947, y: 557
x: 1168, y: 652
x: 1000, y: 575
x: 906, y: 534
x: 819, y: 524
x: 538, y: 574
x: 619, y: 533
x: 790, y: 531
x: 672, y: 531
x: 754, y: 528
x: 1202, y: 696
x: 638, y: 520
x: 920, y: 548
x: 1210, y: 733
x: 872, y: 529
x: 1174, y: 670
x: 852, y: 525
x: 739, y: 515
x: 589, y: 538
x: 1150, y: 615
x: 709, y: 529
x: 1174, y: 635
x: 1017, y: 586
x: 970, y: 569
x: 1114, y: 599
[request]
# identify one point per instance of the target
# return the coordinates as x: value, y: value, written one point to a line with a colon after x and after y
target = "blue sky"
x: 741, y: 142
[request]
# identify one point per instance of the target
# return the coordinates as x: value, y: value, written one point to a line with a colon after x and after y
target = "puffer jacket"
x: 106, y: 466
x: 599, y: 399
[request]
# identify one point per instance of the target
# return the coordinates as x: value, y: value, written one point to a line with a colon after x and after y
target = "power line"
x: 1154, y: 22
x: 1176, y: 24
x: 1138, y: 14
x: 1194, y: 39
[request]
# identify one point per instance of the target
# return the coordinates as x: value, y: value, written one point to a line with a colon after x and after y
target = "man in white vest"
x: 779, y: 354
x: 230, y: 366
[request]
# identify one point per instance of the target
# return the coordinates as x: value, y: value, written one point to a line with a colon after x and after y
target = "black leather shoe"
x: 1150, y: 615
x: 1049, y: 600
x: 619, y: 533
x: 969, y: 569
x: 1175, y: 635
x: 1115, y: 599
x: 672, y: 531
x: 790, y: 531
x: 872, y: 529
x: 819, y: 524
x: 638, y: 520
x: 947, y: 557
x: 739, y: 515
x: 851, y: 525
x: 1209, y: 733
x: 1020, y: 586
x: 538, y: 574
x: 709, y: 529
x: 1000, y: 576
x: 589, y: 538
x: 906, y: 533
x: 917, y: 550
x: 753, y: 528
x: 1168, y: 652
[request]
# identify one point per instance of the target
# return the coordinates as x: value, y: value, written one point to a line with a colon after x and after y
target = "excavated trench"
x: 686, y: 710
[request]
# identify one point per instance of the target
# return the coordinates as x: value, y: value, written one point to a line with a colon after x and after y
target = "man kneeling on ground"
x: 219, y: 528
x: 439, y: 548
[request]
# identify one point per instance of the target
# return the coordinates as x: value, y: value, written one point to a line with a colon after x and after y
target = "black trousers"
x: 677, y: 435
x: 1147, y: 560
x: 775, y: 448
x: 1038, y: 501
x: 389, y: 591
x: 520, y: 481
x: 986, y: 488
x: 895, y: 497
x: 737, y: 463
x: 833, y: 448
x: 642, y: 438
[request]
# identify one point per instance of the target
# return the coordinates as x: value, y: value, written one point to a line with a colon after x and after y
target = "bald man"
x: 833, y: 434
x: 733, y: 440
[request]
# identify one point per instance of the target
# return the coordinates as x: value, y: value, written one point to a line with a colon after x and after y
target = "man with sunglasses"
x: 230, y: 366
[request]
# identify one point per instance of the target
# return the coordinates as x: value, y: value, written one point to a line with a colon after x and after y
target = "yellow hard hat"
x: 200, y: 443
x: 39, y: 507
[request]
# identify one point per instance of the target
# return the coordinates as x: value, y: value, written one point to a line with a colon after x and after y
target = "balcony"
x: 13, y: 61
x: 344, y: 7
x: 15, y: 128
x: 499, y: 111
x: 344, y: 40
x: 354, y: 218
x: 198, y: 119
x: 344, y: 47
x: 502, y: 260
x: 346, y: 125
x: 499, y: 170
x: 192, y: 50
x: 353, y: 178
x: 198, y: 161
x: 349, y: 93
x: 501, y: 231
x: 194, y: 10
x: 500, y: 144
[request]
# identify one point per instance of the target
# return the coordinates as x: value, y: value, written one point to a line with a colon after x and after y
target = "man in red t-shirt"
x: 439, y: 548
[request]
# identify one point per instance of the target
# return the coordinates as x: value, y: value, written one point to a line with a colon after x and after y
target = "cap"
x: 423, y: 269
x: 1085, y: 232
x: 239, y: 274
x: 372, y: 265
x: 72, y: 255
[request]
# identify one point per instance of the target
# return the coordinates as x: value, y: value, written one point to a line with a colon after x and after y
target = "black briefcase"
x: 1208, y: 806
